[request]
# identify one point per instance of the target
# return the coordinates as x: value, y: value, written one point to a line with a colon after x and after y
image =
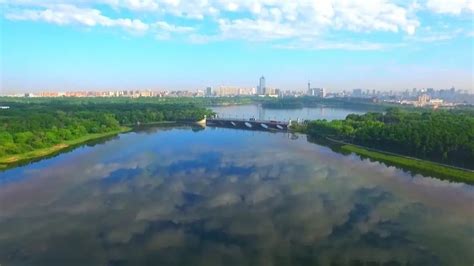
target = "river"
x: 257, y: 112
x: 217, y: 196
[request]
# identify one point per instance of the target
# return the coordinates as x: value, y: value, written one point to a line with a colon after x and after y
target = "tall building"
x: 322, y: 93
x: 319, y: 92
x: 423, y: 99
x: 227, y: 91
x: 356, y: 92
x: 261, y: 86
x: 232, y: 91
x: 208, y: 91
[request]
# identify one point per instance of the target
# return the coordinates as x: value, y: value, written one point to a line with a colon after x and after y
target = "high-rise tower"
x: 261, y: 86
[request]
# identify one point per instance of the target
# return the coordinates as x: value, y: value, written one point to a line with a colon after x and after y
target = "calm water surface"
x: 256, y: 111
x: 228, y: 197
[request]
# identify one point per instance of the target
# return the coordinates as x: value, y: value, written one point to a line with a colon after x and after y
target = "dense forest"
x: 27, y: 126
x: 441, y: 136
x: 198, y: 101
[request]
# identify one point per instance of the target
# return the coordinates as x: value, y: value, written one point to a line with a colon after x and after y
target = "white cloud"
x: 454, y: 7
x: 164, y: 30
x: 438, y: 36
x: 163, y: 25
x: 249, y: 20
x: 142, y: 4
x: 303, y: 19
x: 286, y: 16
x: 281, y: 19
x: 64, y: 14
x: 192, y: 9
x: 257, y: 30
x: 341, y: 45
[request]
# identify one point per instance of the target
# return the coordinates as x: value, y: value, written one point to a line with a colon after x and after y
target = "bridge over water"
x: 251, y: 124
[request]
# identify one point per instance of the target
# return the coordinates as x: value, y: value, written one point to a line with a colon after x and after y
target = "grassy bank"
x: 422, y: 166
x: 9, y: 160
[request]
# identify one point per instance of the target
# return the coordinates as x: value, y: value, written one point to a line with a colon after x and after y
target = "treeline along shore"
x: 33, y: 129
x: 438, y: 142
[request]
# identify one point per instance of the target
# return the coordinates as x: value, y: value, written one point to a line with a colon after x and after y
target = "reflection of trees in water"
x: 336, y: 147
x: 293, y: 136
x: 90, y: 143
x: 153, y: 129
x: 197, y: 128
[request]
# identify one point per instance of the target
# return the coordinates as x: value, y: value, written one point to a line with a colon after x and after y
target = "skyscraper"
x: 261, y: 86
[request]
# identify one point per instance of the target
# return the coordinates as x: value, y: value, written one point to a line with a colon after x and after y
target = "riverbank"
x: 430, y: 142
x: 418, y: 165
x: 7, y: 161
x: 414, y: 165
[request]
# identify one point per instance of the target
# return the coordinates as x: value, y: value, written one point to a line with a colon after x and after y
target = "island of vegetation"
x: 286, y: 103
x: 309, y: 101
x: 437, y: 142
x: 31, y: 129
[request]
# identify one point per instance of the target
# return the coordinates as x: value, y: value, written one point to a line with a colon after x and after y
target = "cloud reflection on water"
x: 219, y: 197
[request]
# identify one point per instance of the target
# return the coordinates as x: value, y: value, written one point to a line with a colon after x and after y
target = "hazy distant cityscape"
x: 416, y: 97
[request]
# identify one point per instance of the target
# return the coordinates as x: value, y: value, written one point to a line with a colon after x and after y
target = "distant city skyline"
x: 102, y: 45
x: 204, y: 90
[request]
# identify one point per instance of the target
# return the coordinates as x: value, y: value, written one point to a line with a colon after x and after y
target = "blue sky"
x: 171, y: 44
